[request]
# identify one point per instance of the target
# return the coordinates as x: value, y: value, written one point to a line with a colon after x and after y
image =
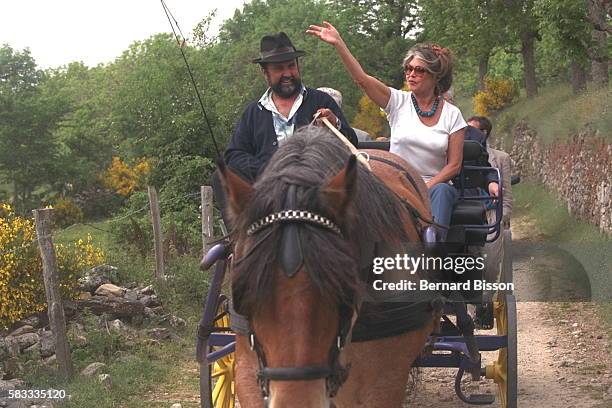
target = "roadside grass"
x: 556, y: 113
x: 551, y: 215
x: 555, y: 224
x: 139, y: 366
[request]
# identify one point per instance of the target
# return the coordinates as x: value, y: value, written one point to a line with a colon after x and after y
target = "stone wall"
x: 578, y: 170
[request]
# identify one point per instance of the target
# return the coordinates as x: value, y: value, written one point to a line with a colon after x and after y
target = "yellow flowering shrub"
x: 370, y: 118
x: 498, y: 94
x: 123, y: 179
x: 22, y: 290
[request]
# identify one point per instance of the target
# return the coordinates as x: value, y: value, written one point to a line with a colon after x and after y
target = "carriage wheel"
x: 504, y: 370
x: 218, y: 380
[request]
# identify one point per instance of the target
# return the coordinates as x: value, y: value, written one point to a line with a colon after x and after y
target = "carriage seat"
x: 465, y: 212
x: 469, y: 212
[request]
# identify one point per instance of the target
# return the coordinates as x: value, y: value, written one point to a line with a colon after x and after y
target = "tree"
x: 470, y: 28
x: 378, y: 32
x: 522, y: 24
x: 566, y: 21
x: 28, y: 153
x: 83, y: 132
x: 599, y: 13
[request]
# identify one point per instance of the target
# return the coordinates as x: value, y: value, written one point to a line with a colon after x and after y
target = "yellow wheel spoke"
x: 223, y: 374
x: 218, y: 373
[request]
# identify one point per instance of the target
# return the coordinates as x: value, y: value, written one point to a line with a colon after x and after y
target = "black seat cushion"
x: 469, y: 212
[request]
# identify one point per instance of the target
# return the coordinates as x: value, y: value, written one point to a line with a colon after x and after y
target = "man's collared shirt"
x: 284, y: 127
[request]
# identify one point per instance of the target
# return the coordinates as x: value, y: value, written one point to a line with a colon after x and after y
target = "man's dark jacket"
x: 254, y: 139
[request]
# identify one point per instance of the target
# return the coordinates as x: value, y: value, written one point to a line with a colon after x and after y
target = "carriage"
x: 456, y: 344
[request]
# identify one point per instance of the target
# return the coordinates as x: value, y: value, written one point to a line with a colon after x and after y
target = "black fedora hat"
x: 277, y: 48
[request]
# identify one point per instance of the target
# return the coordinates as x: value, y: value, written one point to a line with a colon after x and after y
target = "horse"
x: 305, y: 235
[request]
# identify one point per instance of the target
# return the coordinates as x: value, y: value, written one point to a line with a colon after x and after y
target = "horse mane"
x: 375, y: 214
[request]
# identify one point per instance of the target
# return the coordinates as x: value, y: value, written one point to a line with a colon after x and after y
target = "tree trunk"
x: 578, y: 77
x: 483, y: 68
x: 529, y: 65
x: 599, y: 65
x: 599, y: 51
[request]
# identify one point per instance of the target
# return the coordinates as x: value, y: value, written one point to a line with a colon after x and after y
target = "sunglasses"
x: 420, y: 71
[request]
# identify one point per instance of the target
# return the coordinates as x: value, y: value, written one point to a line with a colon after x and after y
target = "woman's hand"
x: 327, y: 33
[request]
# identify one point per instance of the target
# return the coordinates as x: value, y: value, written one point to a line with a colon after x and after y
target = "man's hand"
x: 493, y: 189
x: 328, y: 114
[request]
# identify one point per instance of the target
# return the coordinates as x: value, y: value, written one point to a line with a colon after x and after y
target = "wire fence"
x: 164, y: 204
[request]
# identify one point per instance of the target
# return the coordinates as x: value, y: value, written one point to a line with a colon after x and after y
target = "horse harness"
x: 415, y: 214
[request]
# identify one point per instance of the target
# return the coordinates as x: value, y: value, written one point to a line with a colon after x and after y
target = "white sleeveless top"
x: 424, y: 147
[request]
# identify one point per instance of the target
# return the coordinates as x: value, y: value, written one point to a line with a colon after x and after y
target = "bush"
x: 123, y: 179
x: 370, y: 118
x: 66, y: 213
x: 98, y: 202
x: 21, y: 282
x: 498, y: 94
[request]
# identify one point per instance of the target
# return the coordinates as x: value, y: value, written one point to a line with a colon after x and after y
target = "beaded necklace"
x: 427, y: 114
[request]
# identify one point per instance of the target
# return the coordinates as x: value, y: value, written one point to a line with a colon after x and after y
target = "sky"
x: 96, y: 31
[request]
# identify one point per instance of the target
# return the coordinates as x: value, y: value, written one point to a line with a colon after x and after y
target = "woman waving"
x: 426, y: 130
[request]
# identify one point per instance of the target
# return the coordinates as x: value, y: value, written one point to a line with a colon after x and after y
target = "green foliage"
x: 186, y: 285
x: 133, y: 228
x: 28, y: 152
x: 472, y: 29
x: 180, y: 178
x: 566, y: 21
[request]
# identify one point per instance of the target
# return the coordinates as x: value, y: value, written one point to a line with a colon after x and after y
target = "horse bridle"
x: 334, y: 373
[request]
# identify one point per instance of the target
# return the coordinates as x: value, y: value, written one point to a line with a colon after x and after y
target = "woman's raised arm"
x: 376, y: 90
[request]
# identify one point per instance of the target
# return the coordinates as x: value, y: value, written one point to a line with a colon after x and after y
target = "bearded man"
x: 285, y: 106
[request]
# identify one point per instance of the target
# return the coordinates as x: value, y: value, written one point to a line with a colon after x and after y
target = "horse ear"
x: 339, y: 190
x: 238, y: 191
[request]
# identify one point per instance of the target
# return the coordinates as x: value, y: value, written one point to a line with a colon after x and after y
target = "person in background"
x: 285, y: 106
x: 362, y: 136
x: 425, y: 130
x: 500, y: 160
x: 495, y: 251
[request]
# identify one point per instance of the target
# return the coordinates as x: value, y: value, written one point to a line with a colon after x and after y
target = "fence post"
x: 55, y: 309
x: 206, y: 193
x: 157, y: 235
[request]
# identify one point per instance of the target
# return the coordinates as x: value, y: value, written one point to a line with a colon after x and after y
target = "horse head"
x: 297, y: 274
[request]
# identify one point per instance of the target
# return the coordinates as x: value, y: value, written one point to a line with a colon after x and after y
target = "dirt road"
x: 564, y: 358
